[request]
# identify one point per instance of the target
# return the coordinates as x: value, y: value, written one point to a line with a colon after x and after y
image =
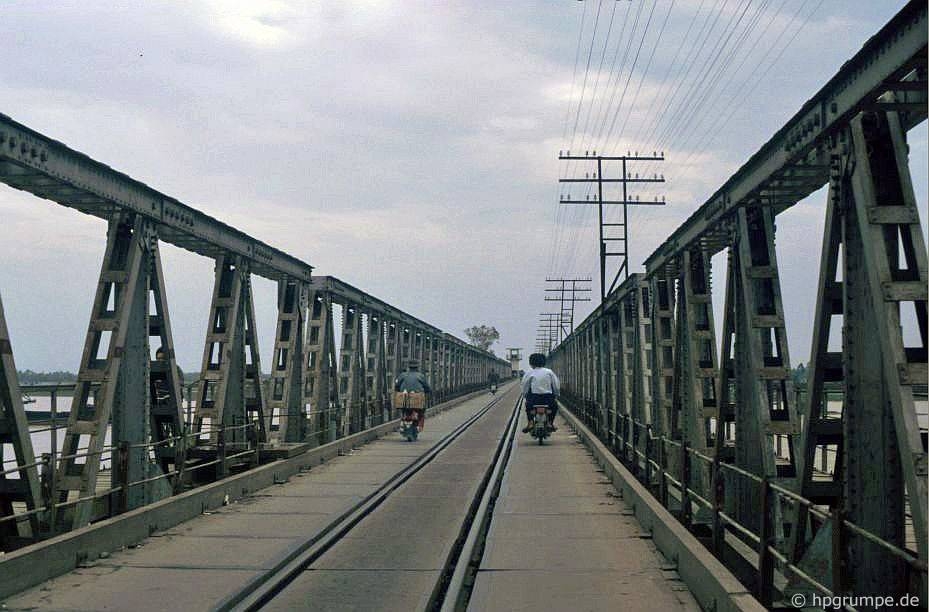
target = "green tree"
x: 482, y: 336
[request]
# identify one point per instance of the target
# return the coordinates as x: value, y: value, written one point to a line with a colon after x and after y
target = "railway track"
x: 451, y: 589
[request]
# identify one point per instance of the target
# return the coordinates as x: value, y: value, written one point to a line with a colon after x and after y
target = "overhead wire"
x: 596, y: 87
x: 720, y: 67
x: 583, y: 214
x: 564, y: 137
x: 593, y: 38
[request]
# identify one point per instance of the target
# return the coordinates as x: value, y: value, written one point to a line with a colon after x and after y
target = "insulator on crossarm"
x: 595, y: 153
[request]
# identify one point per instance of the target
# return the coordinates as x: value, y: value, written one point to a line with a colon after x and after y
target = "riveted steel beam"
x: 887, y: 61
x: 49, y: 169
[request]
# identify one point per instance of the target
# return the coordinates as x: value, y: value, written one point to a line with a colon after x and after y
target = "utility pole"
x: 625, y: 202
x: 567, y: 295
x: 549, y: 324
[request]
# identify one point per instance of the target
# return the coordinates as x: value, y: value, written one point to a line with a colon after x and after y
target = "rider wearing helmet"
x: 540, y: 386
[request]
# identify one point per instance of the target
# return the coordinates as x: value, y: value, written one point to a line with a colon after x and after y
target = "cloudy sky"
x: 409, y: 148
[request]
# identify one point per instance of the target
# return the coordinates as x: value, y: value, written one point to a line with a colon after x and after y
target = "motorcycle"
x: 493, y: 388
x: 410, y: 424
x: 540, y: 427
x: 412, y: 413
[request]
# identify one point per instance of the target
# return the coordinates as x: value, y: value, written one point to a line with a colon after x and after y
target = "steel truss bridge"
x: 824, y: 490
x: 815, y: 490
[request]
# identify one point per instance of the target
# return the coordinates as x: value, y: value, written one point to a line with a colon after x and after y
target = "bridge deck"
x: 561, y: 539
x: 570, y: 544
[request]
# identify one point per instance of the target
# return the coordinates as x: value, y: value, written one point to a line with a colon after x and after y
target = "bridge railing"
x: 832, y: 482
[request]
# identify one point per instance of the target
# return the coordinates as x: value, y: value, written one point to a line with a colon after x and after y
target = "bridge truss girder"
x: 738, y: 418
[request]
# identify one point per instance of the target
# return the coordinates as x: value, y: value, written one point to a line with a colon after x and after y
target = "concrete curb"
x: 713, y: 586
x: 34, y: 564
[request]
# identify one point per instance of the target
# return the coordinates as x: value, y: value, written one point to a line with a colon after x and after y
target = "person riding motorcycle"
x: 414, y: 381
x: 540, y: 386
x: 492, y: 380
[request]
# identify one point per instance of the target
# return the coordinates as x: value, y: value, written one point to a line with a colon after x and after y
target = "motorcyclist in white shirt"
x: 540, y: 386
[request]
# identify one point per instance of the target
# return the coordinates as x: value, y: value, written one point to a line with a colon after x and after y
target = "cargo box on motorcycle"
x: 408, y: 399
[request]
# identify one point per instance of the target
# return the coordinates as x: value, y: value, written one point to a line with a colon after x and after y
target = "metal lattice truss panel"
x: 726, y: 428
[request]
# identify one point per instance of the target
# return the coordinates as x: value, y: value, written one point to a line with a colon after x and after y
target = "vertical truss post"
x: 627, y: 378
x: 459, y: 369
x: 376, y: 371
x: 230, y: 393
x: 880, y: 450
x: 764, y: 394
x: 441, y: 382
x: 351, y: 371
x: 286, y: 412
x: 662, y: 290
x: 322, y: 388
x: 113, y: 376
x: 598, y: 376
x: 607, y: 365
x: 419, y: 341
x: 697, y: 370
x: 893, y: 254
x: 394, y: 350
x: 452, y: 356
x: 166, y: 411
x: 824, y: 427
x: 615, y: 381
x: 253, y: 391
x: 726, y: 439
x: 14, y: 431
x: 641, y: 368
x: 588, y: 357
x: 406, y: 346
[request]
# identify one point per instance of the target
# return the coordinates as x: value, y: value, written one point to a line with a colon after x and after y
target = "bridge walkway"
x: 197, y: 564
x: 562, y: 539
x: 570, y: 544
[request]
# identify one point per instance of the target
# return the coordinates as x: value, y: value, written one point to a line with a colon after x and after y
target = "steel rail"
x: 264, y: 587
x: 457, y: 593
